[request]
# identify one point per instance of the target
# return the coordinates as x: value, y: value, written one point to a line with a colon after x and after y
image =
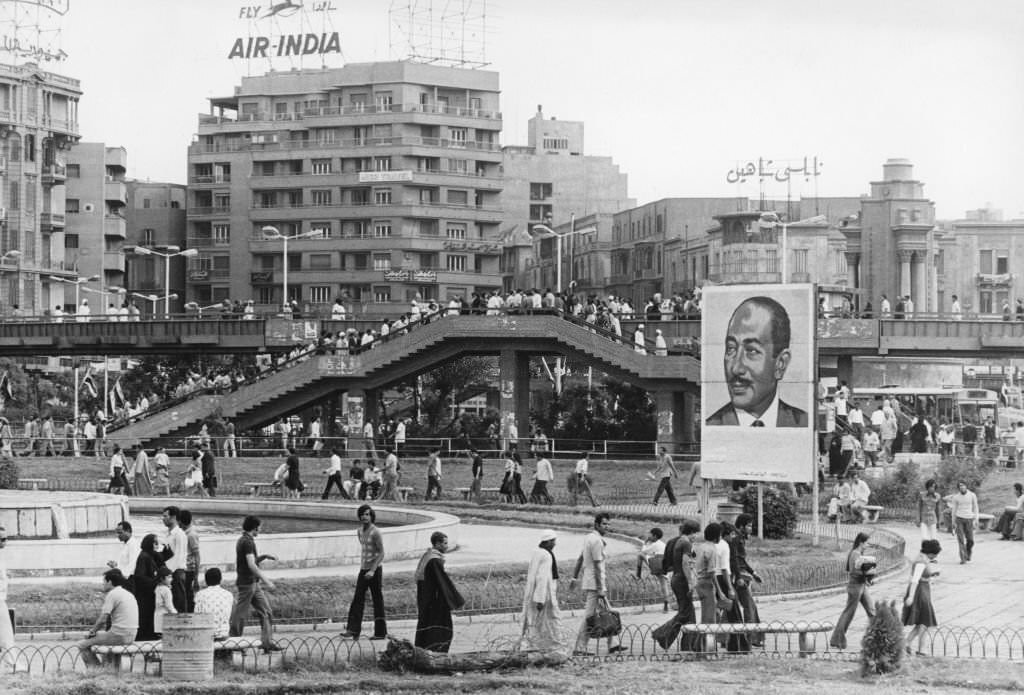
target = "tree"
x: 453, y: 381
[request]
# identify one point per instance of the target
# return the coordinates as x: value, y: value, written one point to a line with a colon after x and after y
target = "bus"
x: 953, y: 405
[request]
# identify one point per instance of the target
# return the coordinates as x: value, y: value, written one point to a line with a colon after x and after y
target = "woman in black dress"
x: 917, y: 604
x: 291, y: 481
x: 144, y: 585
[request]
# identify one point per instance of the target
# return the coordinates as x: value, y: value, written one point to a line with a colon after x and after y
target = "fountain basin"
x: 36, y: 515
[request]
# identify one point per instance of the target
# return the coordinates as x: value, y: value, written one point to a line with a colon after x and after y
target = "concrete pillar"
x: 514, y: 391
x: 844, y: 368
x: 853, y: 269
x: 690, y: 403
x: 905, y: 257
x: 920, y: 274
x: 670, y: 407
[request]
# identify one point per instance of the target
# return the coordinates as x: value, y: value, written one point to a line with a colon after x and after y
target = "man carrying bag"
x: 592, y: 565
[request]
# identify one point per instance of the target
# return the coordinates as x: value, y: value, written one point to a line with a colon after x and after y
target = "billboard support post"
x: 760, y: 511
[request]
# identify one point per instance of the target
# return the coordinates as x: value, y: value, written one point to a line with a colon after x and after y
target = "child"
x: 164, y: 601
x: 194, y: 476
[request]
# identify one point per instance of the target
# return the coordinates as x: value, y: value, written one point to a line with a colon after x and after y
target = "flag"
x: 5, y: 387
x: 88, y: 383
x: 116, y: 395
x: 118, y: 391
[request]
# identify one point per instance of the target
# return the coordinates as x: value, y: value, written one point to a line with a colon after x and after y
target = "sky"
x: 677, y: 92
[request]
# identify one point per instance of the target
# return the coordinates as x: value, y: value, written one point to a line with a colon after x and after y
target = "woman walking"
x: 928, y: 510
x: 857, y: 565
x: 142, y: 474
x: 291, y: 480
x: 917, y: 604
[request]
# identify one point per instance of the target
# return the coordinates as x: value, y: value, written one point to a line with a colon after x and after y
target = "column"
x: 905, y: 257
x: 920, y: 274
x: 690, y: 402
x: 670, y: 407
x: 514, y: 391
x: 853, y: 269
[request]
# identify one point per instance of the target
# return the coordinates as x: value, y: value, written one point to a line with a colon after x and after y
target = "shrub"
x: 779, y: 510
x: 972, y: 471
x: 898, y: 487
x: 8, y: 474
x: 882, y: 648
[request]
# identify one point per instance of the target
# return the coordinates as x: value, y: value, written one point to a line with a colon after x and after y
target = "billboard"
x: 757, y: 383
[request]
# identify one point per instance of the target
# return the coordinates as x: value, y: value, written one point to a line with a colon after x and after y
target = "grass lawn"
x: 752, y: 674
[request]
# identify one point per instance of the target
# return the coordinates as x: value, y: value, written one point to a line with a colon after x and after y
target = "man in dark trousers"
x: 250, y: 584
x: 209, y: 470
x: 369, y: 578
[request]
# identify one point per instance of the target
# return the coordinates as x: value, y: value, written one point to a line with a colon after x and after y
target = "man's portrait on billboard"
x: 756, y: 357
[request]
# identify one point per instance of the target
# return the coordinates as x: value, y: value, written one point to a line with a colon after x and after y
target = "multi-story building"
x: 155, y: 218
x: 981, y: 262
x: 38, y: 123
x: 388, y: 174
x: 550, y: 181
x: 96, y: 228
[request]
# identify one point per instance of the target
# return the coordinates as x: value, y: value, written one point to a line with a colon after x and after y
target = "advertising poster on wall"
x: 757, y: 383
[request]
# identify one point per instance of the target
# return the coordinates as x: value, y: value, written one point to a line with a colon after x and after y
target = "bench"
x: 484, y: 492
x: 804, y: 631
x: 152, y: 651
x: 254, y: 488
x: 985, y: 521
x: 402, y: 493
x: 871, y: 512
x: 36, y: 482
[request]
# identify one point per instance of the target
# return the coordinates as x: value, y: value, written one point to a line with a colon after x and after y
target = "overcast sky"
x: 676, y: 91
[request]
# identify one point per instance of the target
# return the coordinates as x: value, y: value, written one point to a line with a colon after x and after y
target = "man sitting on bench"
x: 122, y: 612
x: 861, y: 493
x: 216, y: 601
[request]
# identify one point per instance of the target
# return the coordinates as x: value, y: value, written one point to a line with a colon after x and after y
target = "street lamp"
x: 167, y: 255
x: 77, y: 282
x: 106, y: 293
x: 558, y: 242
x: 771, y: 219
x: 271, y: 233
x: 155, y: 299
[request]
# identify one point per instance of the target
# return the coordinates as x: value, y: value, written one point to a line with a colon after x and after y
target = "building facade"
x: 155, y: 218
x: 981, y: 262
x: 38, y: 124
x: 388, y: 173
x: 96, y: 229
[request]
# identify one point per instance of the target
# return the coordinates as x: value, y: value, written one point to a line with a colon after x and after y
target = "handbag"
x: 605, y: 622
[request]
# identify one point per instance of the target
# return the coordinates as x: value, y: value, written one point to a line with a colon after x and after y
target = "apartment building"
x: 96, y: 229
x: 38, y: 124
x: 155, y: 219
x: 382, y: 180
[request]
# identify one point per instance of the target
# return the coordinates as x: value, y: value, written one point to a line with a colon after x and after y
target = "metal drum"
x: 188, y: 647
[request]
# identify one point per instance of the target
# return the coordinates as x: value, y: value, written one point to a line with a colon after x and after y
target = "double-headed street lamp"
x: 112, y: 290
x: 772, y: 219
x: 155, y: 299
x: 543, y: 228
x: 77, y: 282
x: 271, y: 233
x: 167, y: 255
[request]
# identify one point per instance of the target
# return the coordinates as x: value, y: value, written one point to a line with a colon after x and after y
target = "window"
x: 359, y: 135
x: 382, y: 295
x: 382, y: 230
x: 799, y: 261
x: 458, y: 197
x: 71, y: 206
x: 14, y: 201
x: 382, y: 134
x: 146, y: 204
x: 382, y: 261
x: 984, y: 262
x: 382, y: 163
x: 540, y: 191
x: 456, y: 263
x: 266, y: 261
x: 321, y: 167
x: 265, y: 295
x: 458, y: 166
x: 221, y: 234
x: 428, y: 261
x: 222, y: 201
x: 220, y: 294
x: 74, y: 171
x: 455, y: 230
x: 382, y: 196
x: 360, y: 196
x: 221, y: 266
x: 321, y: 198
x: 320, y: 230
x: 319, y: 261
x: 384, y: 101
x: 556, y: 143
x: 360, y: 261
x: 478, y: 264
x: 358, y: 102
x: 540, y: 212
x: 70, y: 241
x: 148, y: 236
x: 1002, y: 262
x: 320, y: 294
x: 457, y: 136
x: 428, y: 196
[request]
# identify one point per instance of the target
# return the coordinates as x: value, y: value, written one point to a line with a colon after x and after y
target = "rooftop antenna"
x: 30, y: 30
x: 440, y: 32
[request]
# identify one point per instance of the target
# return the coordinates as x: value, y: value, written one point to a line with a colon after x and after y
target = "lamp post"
x: 167, y: 255
x: 155, y: 299
x: 771, y: 219
x: 558, y: 243
x: 272, y: 233
x: 77, y: 282
x: 112, y: 290
x: 15, y: 255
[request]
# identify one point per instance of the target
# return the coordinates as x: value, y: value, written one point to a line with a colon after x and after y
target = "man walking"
x: 209, y: 470
x: 582, y: 483
x: 249, y: 583
x: 436, y: 598
x: 542, y: 618
x: 664, y: 473
x: 390, y: 490
x: 544, y: 475
x: 478, y: 473
x: 192, y: 562
x: 963, y: 507
x: 433, y: 473
x: 333, y: 472
x: 369, y: 578
x: 592, y: 566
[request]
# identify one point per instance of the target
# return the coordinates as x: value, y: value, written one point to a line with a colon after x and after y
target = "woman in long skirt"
x: 917, y: 604
x: 142, y: 474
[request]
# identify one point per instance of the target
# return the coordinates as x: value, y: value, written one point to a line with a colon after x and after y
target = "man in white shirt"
x: 877, y: 418
x: 333, y: 473
x: 886, y: 307
x: 175, y: 556
x: 871, y: 446
x: 217, y: 601
x: 433, y: 473
x: 400, y: 436
x: 955, y: 309
x: 861, y: 493
x: 120, y: 611
x: 129, y: 550
x: 544, y: 475
x: 592, y: 568
x: 368, y: 445
x: 582, y: 482
x: 315, y: 435
x: 1018, y: 439
x: 963, y: 506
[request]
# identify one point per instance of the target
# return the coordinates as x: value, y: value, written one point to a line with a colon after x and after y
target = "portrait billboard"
x: 757, y: 383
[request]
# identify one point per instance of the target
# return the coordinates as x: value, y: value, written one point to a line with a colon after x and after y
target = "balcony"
x: 53, y: 174
x: 113, y: 261
x: 261, y: 277
x: 994, y: 279
x: 215, y: 210
x: 115, y: 226
x: 202, y: 242
x: 52, y: 220
x: 274, y: 147
x: 209, y: 180
x: 115, y: 191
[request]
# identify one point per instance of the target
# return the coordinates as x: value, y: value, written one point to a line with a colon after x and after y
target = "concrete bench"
x: 985, y: 521
x: 36, y: 482
x: 804, y: 631
x: 871, y: 512
x: 402, y: 493
x: 256, y: 487
x: 484, y: 492
x: 115, y: 654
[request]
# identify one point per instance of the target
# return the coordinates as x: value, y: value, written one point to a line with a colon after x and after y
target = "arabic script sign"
x: 808, y: 167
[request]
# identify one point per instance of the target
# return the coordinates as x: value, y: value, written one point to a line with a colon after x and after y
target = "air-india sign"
x: 282, y: 44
